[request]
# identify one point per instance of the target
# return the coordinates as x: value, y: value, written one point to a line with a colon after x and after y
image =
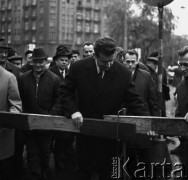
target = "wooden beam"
x: 113, y: 127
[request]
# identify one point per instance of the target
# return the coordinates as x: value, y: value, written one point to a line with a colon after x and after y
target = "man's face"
x: 183, y: 63
x: 3, y: 57
x: 75, y: 57
x: 153, y: 65
x: 39, y: 65
x: 17, y: 63
x: 28, y: 58
x: 63, y: 62
x: 130, y: 61
x: 88, y: 50
x: 105, y: 62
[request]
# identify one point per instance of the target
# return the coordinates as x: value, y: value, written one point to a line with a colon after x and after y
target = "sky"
x: 180, y: 11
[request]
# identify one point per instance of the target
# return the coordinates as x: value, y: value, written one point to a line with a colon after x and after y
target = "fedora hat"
x: 39, y: 53
x: 153, y: 57
x: 3, y: 44
x: 63, y: 51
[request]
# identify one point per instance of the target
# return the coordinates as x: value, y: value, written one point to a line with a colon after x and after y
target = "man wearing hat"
x: 62, y: 61
x: 63, y: 140
x: 16, y: 60
x: 152, y: 64
x: 3, y: 61
x: 38, y: 91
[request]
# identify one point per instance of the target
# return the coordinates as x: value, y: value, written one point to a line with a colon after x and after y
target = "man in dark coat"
x: 182, y: 104
x: 144, y: 82
x: 63, y: 140
x: 102, y: 85
x: 152, y: 64
x: 38, y: 91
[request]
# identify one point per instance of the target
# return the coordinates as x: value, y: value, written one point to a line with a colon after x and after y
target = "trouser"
x: 38, y: 151
x: 18, y: 161
x: 153, y: 162
x: 94, y: 155
x: 6, y: 169
x: 63, y: 142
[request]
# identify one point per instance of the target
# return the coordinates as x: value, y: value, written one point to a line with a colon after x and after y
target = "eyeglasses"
x: 185, y: 64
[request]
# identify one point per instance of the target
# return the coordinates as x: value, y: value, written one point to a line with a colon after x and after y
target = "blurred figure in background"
x: 88, y: 49
x: 28, y: 66
x: 152, y: 64
x: 75, y: 55
x: 16, y: 60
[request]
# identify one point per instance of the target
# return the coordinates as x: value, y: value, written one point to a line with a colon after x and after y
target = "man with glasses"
x: 102, y: 84
x: 38, y: 91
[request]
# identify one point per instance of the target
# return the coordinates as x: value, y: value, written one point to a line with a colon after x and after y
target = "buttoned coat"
x: 98, y: 97
x: 9, y: 101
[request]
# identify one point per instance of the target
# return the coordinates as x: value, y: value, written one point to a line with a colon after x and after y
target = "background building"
x: 47, y: 23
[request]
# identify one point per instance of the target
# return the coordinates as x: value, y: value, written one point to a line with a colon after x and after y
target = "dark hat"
x: 3, y: 44
x: 39, y: 53
x: 15, y: 57
x: 63, y: 51
x: 153, y: 57
x: 11, y: 52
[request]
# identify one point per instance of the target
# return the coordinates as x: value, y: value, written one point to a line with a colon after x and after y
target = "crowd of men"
x: 103, y: 81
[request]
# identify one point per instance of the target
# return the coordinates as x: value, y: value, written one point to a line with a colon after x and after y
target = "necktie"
x: 101, y: 74
x: 63, y: 73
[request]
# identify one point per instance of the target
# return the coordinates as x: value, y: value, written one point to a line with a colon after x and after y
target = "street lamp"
x: 160, y: 4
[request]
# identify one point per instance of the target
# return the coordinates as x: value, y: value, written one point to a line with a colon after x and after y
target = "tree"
x: 142, y: 25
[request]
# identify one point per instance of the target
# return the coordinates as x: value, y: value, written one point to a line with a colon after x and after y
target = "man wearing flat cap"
x: 38, y: 91
x: 63, y: 140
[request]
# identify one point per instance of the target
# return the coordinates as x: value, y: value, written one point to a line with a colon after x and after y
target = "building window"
x: 41, y: 35
x: 79, y: 40
x: 9, y: 39
x: 41, y: 10
x: 26, y: 37
x: 79, y: 26
x: 87, y: 27
x: 96, y: 16
x: 33, y: 39
x: 41, y: 23
x: 34, y: 13
x: 34, y: 25
x: 9, y: 28
x: 52, y: 24
x: 96, y: 28
x: 26, y: 25
x: 88, y: 15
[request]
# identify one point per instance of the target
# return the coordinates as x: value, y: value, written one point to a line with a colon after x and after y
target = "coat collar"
x: 99, y: 85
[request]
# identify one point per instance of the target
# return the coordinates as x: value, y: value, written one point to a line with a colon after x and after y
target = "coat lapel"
x: 107, y: 79
x: 92, y: 75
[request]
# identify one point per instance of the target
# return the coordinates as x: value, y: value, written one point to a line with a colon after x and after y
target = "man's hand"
x: 77, y: 119
x: 154, y: 136
x: 186, y: 117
